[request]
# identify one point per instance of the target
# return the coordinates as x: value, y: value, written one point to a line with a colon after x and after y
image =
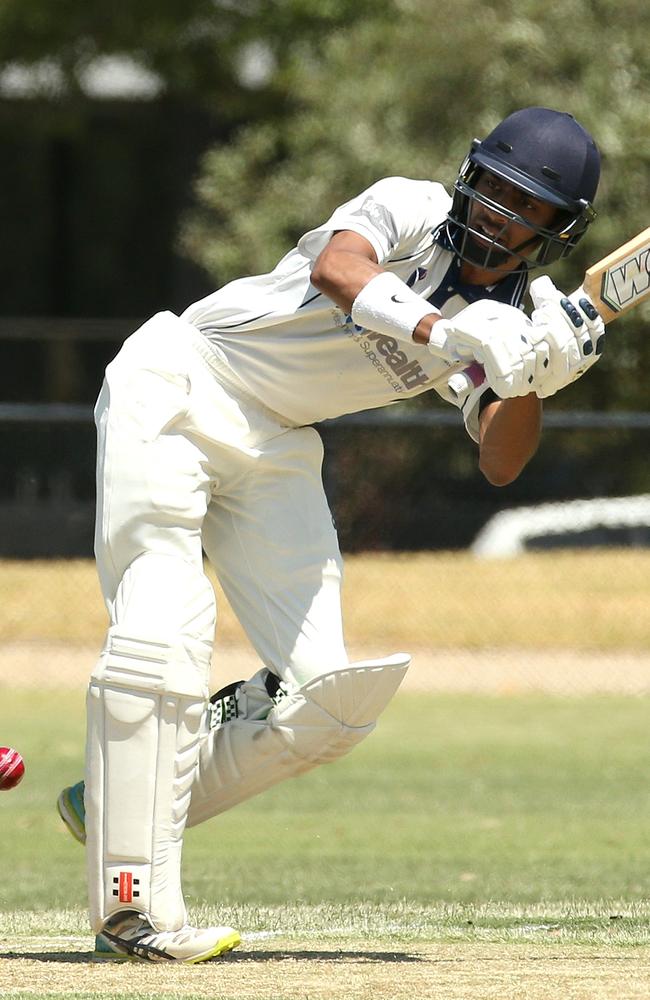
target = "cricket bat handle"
x: 460, y: 384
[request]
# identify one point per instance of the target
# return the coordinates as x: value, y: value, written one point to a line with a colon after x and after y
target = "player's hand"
x: 569, y: 336
x: 498, y: 337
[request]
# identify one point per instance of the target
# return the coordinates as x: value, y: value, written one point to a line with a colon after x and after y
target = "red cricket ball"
x: 12, y: 768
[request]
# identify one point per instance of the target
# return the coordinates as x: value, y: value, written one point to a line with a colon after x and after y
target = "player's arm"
x: 509, y: 433
x: 347, y: 264
x: 494, y: 334
x: 344, y: 267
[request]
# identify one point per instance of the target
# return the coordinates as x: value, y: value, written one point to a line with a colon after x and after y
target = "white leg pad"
x: 146, y: 701
x: 315, y: 724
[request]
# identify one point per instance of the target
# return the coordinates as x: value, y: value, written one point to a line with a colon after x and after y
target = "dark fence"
x: 403, y: 478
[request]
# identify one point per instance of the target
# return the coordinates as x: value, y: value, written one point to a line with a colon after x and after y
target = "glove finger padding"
x: 530, y: 365
x: 518, y: 381
x: 594, y: 323
x: 571, y: 328
x: 497, y: 336
x: 577, y: 309
x: 543, y: 290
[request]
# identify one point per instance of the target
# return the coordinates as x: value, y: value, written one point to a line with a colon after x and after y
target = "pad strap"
x: 387, y: 305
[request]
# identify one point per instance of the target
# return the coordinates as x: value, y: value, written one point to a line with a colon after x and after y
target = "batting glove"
x: 568, y: 336
x: 498, y: 337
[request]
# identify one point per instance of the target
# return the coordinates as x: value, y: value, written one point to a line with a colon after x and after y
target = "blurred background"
x: 153, y: 151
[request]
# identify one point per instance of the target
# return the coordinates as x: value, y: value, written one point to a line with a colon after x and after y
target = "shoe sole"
x: 224, y: 945
x: 70, y: 817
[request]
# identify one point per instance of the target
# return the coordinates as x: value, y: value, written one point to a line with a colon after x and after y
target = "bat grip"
x: 460, y: 384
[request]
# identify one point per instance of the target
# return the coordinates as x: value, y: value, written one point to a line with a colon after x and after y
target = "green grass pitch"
x: 468, y: 827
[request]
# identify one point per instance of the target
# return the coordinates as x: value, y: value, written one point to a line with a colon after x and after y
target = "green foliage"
x: 404, y: 92
x: 359, y: 89
x: 196, y: 47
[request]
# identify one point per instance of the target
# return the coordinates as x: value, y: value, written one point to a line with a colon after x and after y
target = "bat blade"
x: 622, y: 279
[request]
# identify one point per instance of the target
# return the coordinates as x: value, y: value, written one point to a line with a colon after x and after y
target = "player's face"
x: 493, y: 225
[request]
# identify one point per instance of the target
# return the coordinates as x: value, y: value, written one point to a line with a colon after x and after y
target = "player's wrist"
x: 424, y: 330
x: 387, y: 305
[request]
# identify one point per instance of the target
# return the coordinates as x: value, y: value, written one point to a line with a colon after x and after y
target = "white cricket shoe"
x: 130, y: 937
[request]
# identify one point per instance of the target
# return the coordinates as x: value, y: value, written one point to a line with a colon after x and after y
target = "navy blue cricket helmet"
x: 549, y: 155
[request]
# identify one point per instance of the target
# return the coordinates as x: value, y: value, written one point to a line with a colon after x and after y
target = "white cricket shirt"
x: 297, y: 351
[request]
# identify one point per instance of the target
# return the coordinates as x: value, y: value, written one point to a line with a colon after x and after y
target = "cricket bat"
x: 615, y: 284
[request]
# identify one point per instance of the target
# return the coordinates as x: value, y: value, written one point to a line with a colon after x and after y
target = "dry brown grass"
x: 578, y: 600
x: 583, y: 600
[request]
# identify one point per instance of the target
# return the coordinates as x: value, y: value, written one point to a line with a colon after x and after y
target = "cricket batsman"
x: 206, y: 443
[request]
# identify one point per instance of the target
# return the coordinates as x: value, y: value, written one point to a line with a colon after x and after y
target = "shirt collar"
x: 510, y: 289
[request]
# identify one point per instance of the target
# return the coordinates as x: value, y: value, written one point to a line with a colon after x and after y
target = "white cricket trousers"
x: 188, y: 460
